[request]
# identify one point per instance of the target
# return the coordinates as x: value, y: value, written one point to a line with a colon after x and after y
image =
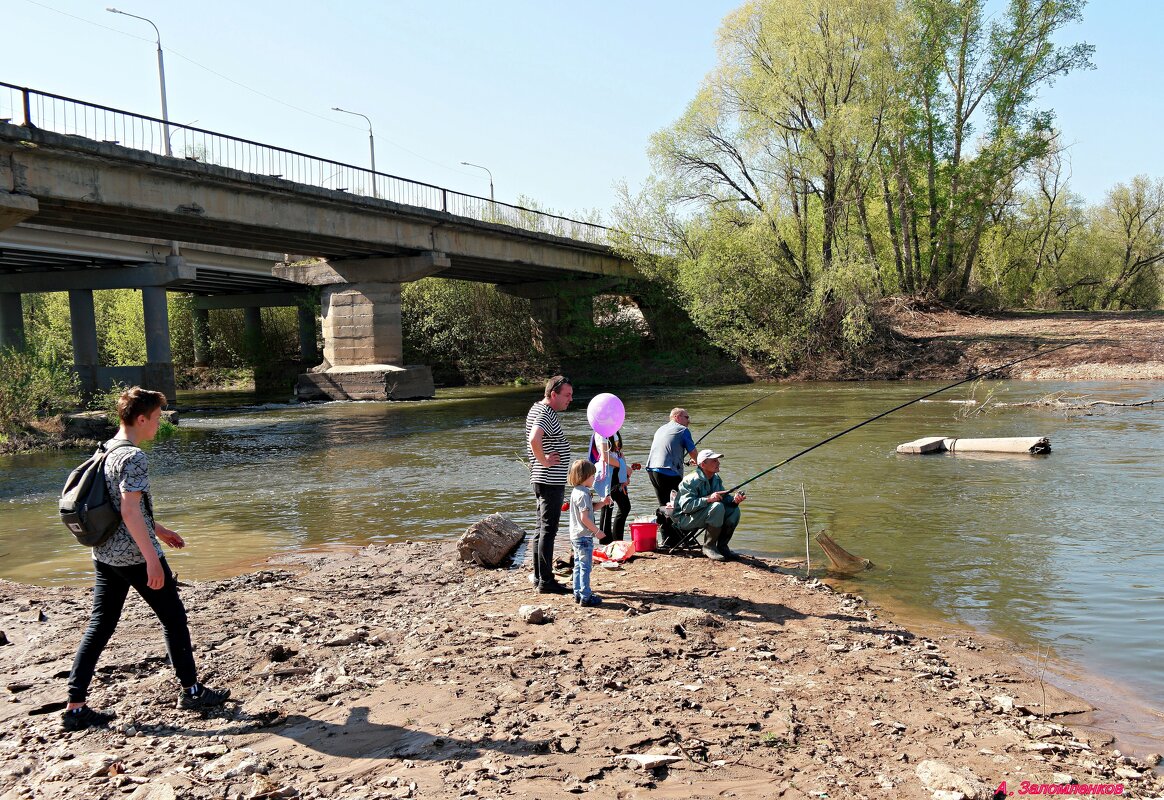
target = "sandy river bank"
x: 397, y: 671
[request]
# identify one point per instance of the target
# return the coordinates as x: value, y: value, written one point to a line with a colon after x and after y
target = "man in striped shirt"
x: 549, y: 461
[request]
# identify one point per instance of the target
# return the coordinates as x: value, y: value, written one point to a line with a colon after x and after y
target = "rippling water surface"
x: 1063, y: 550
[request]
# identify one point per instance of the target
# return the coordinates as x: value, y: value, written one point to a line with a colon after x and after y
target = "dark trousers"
x: 664, y: 484
x: 109, y: 592
x: 613, y: 522
x: 549, y: 499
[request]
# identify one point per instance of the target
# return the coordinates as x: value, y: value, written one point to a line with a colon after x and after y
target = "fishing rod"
x: 973, y: 377
x: 738, y: 410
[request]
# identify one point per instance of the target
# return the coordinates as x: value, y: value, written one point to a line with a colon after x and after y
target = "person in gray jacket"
x: 702, y: 502
x: 671, y: 444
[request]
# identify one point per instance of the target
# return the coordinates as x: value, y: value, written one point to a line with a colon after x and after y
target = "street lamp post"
x: 161, y: 75
x: 490, y: 174
x: 371, y: 144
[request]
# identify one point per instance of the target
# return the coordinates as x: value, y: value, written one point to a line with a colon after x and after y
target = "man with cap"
x: 702, y: 502
x: 671, y: 444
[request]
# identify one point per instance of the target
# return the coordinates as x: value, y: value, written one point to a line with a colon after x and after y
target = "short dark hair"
x: 555, y: 384
x: 136, y: 401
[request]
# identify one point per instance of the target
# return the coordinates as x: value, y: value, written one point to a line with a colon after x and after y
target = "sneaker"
x: 553, y: 588
x: 205, y: 698
x: 591, y: 601
x: 84, y: 717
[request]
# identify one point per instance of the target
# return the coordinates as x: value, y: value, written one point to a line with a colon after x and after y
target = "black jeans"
x: 613, y: 523
x: 549, y: 499
x: 664, y: 484
x: 109, y: 592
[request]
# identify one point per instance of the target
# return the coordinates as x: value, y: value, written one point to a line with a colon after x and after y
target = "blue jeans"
x: 583, y: 563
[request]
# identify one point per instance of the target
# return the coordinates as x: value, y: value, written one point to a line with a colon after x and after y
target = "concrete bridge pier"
x: 363, y: 348
x: 14, y: 209
x: 83, y: 326
x: 308, y: 350
x: 561, y: 312
x: 253, y: 334
x: 158, y: 371
x: 11, y: 321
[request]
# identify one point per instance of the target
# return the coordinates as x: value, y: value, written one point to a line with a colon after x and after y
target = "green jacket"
x: 693, y: 492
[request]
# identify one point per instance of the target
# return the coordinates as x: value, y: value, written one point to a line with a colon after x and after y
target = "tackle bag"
x: 85, y: 505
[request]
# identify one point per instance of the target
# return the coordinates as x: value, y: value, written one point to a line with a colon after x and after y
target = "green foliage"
x: 33, y: 384
x: 844, y: 149
x: 46, y: 326
x: 106, y: 401
x: 230, y: 345
x: 467, y: 331
x: 120, y: 327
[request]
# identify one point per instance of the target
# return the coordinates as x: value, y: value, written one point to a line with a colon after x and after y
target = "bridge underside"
x: 368, y: 247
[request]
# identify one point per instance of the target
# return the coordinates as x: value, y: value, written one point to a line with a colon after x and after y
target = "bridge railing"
x: 64, y: 115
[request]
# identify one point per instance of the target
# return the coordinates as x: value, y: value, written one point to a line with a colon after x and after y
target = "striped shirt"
x: 553, y: 441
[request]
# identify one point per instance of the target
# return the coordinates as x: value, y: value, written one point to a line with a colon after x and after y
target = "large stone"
x: 373, y: 382
x: 489, y: 541
x: 937, y: 776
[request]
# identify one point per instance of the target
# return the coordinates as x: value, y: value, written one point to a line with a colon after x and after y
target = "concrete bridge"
x: 80, y: 214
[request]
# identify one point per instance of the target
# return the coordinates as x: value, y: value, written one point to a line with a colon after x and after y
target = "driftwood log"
x: 490, y: 541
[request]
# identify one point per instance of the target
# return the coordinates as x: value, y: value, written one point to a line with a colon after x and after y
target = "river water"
x: 1062, y: 551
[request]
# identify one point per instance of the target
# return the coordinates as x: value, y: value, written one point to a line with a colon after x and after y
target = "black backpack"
x: 85, y: 506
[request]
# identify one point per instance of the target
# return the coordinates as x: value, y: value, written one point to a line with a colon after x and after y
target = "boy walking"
x: 132, y: 558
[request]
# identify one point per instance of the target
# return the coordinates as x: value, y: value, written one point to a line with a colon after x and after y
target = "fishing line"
x: 973, y: 377
x: 738, y: 410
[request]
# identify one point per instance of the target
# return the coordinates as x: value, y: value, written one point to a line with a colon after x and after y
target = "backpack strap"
x: 116, y: 444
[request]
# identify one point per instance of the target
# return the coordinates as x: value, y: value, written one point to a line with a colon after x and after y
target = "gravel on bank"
x: 398, y: 671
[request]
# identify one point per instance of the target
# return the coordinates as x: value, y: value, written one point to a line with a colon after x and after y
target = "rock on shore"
x: 400, y: 671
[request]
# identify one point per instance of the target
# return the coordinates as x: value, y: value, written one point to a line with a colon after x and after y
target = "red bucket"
x: 645, y: 536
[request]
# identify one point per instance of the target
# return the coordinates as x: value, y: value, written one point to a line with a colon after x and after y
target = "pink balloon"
x: 606, y: 414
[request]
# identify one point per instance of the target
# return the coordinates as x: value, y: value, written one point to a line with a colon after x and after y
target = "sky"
x: 558, y: 100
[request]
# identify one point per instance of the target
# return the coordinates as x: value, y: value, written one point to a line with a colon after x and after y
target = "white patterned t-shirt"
x: 126, y: 470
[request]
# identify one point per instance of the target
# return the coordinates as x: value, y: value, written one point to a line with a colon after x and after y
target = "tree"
x: 1132, y: 223
x: 966, y: 74
x: 1026, y: 245
x: 846, y: 148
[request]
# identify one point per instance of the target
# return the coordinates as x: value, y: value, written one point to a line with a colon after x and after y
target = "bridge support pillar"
x: 363, y: 348
x: 201, y: 319
x: 83, y: 326
x: 561, y: 312
x: 158, y: 372
x: 253, y: 334
x: 308, y: 351
x: 11, y: 321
